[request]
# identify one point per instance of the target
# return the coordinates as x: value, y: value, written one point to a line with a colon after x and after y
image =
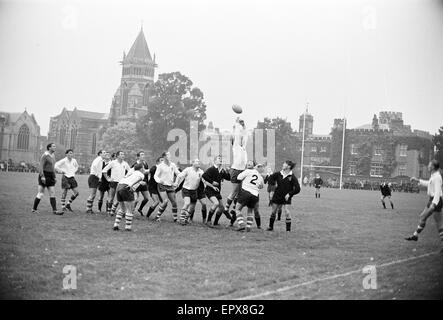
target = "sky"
x: 350, y: 58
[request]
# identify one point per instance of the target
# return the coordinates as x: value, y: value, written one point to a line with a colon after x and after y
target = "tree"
x: 173, y: 104
x: 438, y: 142
x: 285, y: 139
x: 122, y: 137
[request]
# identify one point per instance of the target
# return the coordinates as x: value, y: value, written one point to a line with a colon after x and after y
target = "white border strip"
x: 286, y: 288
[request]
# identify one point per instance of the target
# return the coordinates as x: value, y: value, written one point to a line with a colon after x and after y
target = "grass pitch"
x: 333, y: 238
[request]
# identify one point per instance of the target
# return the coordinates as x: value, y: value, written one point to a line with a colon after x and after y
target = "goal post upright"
x: 342, y: 153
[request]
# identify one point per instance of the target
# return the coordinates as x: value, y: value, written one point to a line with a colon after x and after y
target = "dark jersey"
x: 284, y: 185
x: 152, y: 184
x: 212, y: 174
x: 318, y: 182
x: 385, y: 190
x: 146, y: 166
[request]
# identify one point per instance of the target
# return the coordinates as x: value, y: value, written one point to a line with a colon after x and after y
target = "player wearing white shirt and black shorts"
x: 68, y: 166
x: 435, y: 203
x: 165, y: 176
x: 95, y: 175
x: 119, y: 168
x: 191, y: 178
x: 125, y: 195
x: 252, y: 182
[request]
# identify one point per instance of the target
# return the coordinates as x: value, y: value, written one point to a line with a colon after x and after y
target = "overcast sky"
x: 354, y: 57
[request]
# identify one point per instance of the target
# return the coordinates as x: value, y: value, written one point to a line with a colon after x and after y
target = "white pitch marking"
x: 286, y: 288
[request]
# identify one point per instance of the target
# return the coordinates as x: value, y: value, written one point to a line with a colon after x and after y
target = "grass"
x: 343, y: 231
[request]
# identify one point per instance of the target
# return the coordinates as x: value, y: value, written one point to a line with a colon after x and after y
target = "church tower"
x: 132, y: 96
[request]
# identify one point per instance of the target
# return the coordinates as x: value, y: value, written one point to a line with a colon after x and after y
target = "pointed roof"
x: 139, y: 50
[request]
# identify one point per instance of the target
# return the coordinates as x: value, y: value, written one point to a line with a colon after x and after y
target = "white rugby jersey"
x: 96, y: 167
x: 239, y: 153
x: 434, y: 186
x: 118, y: 170
x: 132, y: 179
x: 192, y: 178
x: 251, y: 181
x: 165, y: 174
x: 69, y: 168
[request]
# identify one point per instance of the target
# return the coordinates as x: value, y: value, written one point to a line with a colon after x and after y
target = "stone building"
x: 19, y: 138
x: 82, y: 130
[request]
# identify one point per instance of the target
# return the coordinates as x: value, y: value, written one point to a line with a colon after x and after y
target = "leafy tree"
x: 438, y: 142
x: 122, y: 137
x: 285, y: 139
x: 173, y: 104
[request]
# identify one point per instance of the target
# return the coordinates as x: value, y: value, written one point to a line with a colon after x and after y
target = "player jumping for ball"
x: 435, y: 203
x: 240, y: 157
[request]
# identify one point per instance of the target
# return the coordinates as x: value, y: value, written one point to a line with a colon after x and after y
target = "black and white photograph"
x: 227, y: 152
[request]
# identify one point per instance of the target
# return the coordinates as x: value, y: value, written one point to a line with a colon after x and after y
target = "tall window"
x: 354, y: 149
x: 73, y: 138
x: 313, y: 149
x: 125, y: 98
x: 376, y: 170
x: 403, y: 150
x: 402, y: 170
x: 323, y: 149
x: 94, y: 143
x: 352, y: 170
x: 62, y: 136
x: 23, y: 138
x: 146, y: 95
x: 377, y: 151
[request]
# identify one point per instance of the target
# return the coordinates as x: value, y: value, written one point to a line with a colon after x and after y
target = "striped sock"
x: 228, y: 204
x: 174, y: 213
x: 240, y: 220
x: 128, y: 219
x: 161, y: 210
x: 249, y: 221
x: 440, y: 232
x: 89, y: 203
x: 114, y: 207
x: 184, y: 216
x: 73, y: 197
x: 420, y: 228
x: 63, y: 201
x: 118, y: 218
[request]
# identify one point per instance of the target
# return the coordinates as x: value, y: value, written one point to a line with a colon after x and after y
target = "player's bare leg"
x: 275, y: 207
x: 38, y: 198
x: 184, y: 214
x: 145, y: 200
x: 257, y: 216
x: 154, y: 205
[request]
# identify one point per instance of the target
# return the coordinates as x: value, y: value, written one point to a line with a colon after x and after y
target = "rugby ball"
x: 237, y: 109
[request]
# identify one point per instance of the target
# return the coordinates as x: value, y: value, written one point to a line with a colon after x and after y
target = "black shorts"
x: 386, y: 194
x: 124, y: 193
x: 247, y: 199
x: 49, y: 177
x: 104, y: 185
x: 212, y: 193
x: 280, y: 201
x: 317, y: 186
x: 152, y: 189
x: 234, y: 174
x: 439, y: 205
x: 142, y: 188
x: 93, y: 181
x: 271, y: 188
x: 164, y: 188
x: 69, y: 183
x: 201, y: 193
x: 113, y: 184
x: 192, y: 194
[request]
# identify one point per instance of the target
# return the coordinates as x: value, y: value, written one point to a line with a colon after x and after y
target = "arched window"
x: 73, y: 138
x: 94, y: 143
x: 23, y: 138
x: 62, y: 136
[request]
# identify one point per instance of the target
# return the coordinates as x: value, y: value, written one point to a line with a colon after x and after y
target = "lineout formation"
x: 130, y: 186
